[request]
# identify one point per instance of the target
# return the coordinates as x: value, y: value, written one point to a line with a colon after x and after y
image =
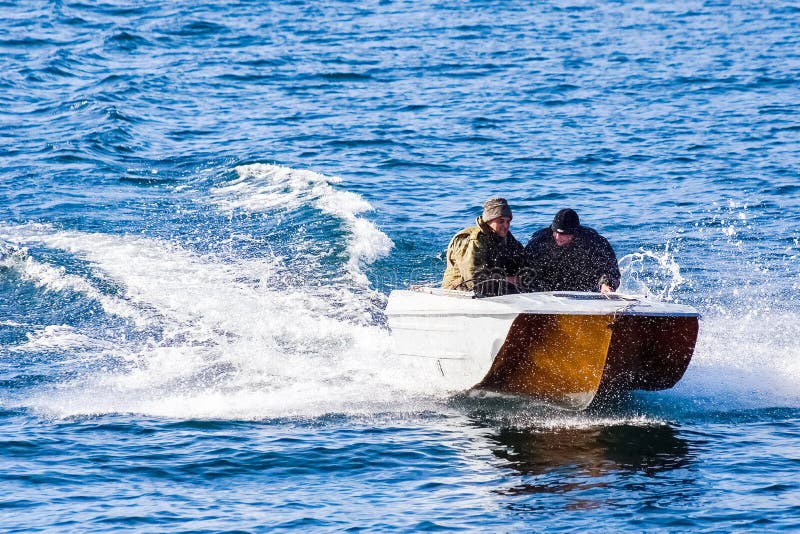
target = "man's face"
x: 562, y: 240
x: 500, y: 225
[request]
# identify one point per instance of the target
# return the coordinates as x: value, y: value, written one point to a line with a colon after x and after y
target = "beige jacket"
x: 477, y: 254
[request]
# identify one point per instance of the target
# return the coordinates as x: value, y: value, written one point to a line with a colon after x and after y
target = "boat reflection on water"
x: 581, y: 461
x: 593, y: 451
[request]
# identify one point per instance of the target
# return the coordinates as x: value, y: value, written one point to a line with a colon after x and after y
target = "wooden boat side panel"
x: 554, y: 357
x: 649, y: 353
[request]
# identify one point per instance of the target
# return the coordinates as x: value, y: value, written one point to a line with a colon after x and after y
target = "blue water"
x: 203, y: 208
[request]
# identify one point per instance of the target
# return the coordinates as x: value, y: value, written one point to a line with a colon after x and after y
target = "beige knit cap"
x: 494, y: 208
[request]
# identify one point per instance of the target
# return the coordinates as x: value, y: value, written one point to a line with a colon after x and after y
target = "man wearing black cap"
x: 485, y: 258
x: 566, y: 256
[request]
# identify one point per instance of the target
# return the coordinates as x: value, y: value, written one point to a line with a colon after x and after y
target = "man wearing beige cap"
x: 485, y: 258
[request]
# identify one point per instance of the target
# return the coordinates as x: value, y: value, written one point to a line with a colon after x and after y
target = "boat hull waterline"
x: 566, y: 349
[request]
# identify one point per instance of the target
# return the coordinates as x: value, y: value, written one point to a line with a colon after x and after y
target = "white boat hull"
x: 562, y: 347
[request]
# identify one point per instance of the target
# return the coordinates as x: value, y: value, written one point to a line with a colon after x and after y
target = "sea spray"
x: 222, y: 336
x: 656, y: 274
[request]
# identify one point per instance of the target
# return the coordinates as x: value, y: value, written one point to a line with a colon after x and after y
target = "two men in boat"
x: 565, y: 256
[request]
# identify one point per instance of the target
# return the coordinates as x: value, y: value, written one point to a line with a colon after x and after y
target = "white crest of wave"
x: 216, y: 341
x: 263, y: 187
x: 58, y: 337
x: 57, y: 279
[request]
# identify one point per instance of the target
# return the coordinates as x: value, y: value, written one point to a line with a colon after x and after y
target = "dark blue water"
x: 203, y: 207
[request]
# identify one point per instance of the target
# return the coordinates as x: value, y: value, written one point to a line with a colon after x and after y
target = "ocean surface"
x: 204, y: 206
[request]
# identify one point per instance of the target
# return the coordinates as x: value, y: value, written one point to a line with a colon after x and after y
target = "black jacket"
x: 583, y: 265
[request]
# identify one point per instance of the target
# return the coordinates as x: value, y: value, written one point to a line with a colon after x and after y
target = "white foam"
x: 746, y: 360
x: 58, y: 337
x: 229, y: 344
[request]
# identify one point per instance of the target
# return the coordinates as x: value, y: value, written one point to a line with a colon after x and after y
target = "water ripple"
x: 672, y: 128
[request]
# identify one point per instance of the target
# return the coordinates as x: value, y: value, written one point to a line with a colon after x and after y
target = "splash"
x: 743, y: 361
x: 206, y: 338
x: 213, y: 337
x: 218, y: 338
x: 655, y: 274
x: 747, y: 352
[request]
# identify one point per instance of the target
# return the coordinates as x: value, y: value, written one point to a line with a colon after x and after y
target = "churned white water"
x: 213, y: 338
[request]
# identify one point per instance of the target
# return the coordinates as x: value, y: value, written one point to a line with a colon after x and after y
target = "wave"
x: 270, y: 188
x: 55, y: 278
x: 62, y: 338
x: 204, y: 336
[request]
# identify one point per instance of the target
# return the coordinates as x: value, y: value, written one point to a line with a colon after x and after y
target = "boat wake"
x: 164, y: 330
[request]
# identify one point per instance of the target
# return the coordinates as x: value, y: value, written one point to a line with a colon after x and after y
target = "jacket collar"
x: 486, y: 229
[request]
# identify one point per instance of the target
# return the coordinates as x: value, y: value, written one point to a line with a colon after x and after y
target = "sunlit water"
x: 204, y: 207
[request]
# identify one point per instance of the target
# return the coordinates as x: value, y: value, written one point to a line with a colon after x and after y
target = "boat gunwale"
x: 611, y: 314
x: 614, y: 305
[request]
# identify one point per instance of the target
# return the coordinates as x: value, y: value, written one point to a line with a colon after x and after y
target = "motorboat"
x: 566, y: 349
